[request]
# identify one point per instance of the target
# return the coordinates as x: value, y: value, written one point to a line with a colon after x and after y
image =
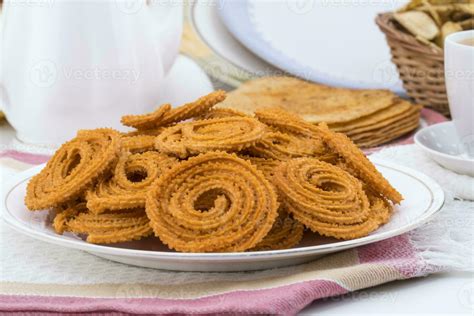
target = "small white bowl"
x: 441, y: 143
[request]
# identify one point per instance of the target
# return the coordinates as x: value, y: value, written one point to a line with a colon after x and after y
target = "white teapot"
x: 69, y: 65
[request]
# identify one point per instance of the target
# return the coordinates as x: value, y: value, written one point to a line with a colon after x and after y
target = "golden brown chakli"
x: 204, y: 179
x: 286, y: 232
x: 357, y: 113
x: 243, y: 209
x: 74, y: 167
x: 103, y: 228
x: 325, y: 198
x: 127, y: 186
x: 230, y: 134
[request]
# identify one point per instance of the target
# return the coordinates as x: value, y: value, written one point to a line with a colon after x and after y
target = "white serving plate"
x: 423, y: 199
x: 336, y: 43
x: 441, y: 143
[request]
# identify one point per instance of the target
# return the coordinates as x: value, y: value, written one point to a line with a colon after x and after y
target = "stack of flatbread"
x: 369, y: 117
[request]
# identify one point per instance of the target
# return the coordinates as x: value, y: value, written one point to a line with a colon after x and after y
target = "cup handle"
x: 168, y: 28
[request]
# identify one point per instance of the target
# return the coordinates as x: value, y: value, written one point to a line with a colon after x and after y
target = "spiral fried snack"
x: 267, y: 166
x: 221, y: 113
x: 105, y: 228
x: 285, y: 233
x: 138, y: 144
x: 164, y: 115
x: 356, y: 163
x: 353, y: 160
x: 326, y: 199
x: 64, y: 214
x: 146, y: 121
x: 193, y: 109
x: 283, y: 146
x: 286, y: 122
x: 243, y: 211
x: 126, y: 188
x: 144, y: 132
x: 380, y: 208
x: 228, y: 134
x: 301, y: 139
x: 73, y: 168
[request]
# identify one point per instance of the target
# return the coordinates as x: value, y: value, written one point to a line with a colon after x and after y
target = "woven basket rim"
x: 385, y: 21
x: 409, y: 54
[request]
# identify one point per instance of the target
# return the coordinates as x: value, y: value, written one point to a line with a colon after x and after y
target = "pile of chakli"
x: 204, y: 179
x: 431, y: 21
x: 369, y: 117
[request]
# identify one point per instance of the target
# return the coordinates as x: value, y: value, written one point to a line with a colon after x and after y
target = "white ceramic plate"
x: 208, y: 42
x: 336, y: 43
x: 214, y: 34
x: 440, y: 142
x: 423, y: 198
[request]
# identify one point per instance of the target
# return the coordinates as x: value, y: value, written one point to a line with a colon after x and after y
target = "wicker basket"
x: 420, y: 66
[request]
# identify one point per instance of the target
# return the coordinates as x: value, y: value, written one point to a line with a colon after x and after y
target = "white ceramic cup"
x: 459, y: 73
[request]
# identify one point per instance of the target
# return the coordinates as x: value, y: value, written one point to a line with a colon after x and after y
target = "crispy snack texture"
x: 221, y: 113
x: 138, y: 143
x: 267, y: 166
x: 325, y: 198
x: 356, y: 163
x: 229, y: 134
x: 313, y: 102
x: 282, y: 146
x: 344, y: 110
x: 286, y: 232
x: 165, y: 115
x: 242, y: 205
x: 202, y: 179
x: 133, y: 175
x: 146, y: 121
x: 104, y: 228
x: 75, y: 166
x: 340, y: 150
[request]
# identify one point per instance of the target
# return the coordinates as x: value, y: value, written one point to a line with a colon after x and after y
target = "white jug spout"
x: 168, y: 24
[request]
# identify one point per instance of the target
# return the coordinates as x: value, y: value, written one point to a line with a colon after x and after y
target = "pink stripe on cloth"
x: 32, y: 159
x: 397, y: 252
x: 288, y: 299
x: 432, y: 117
